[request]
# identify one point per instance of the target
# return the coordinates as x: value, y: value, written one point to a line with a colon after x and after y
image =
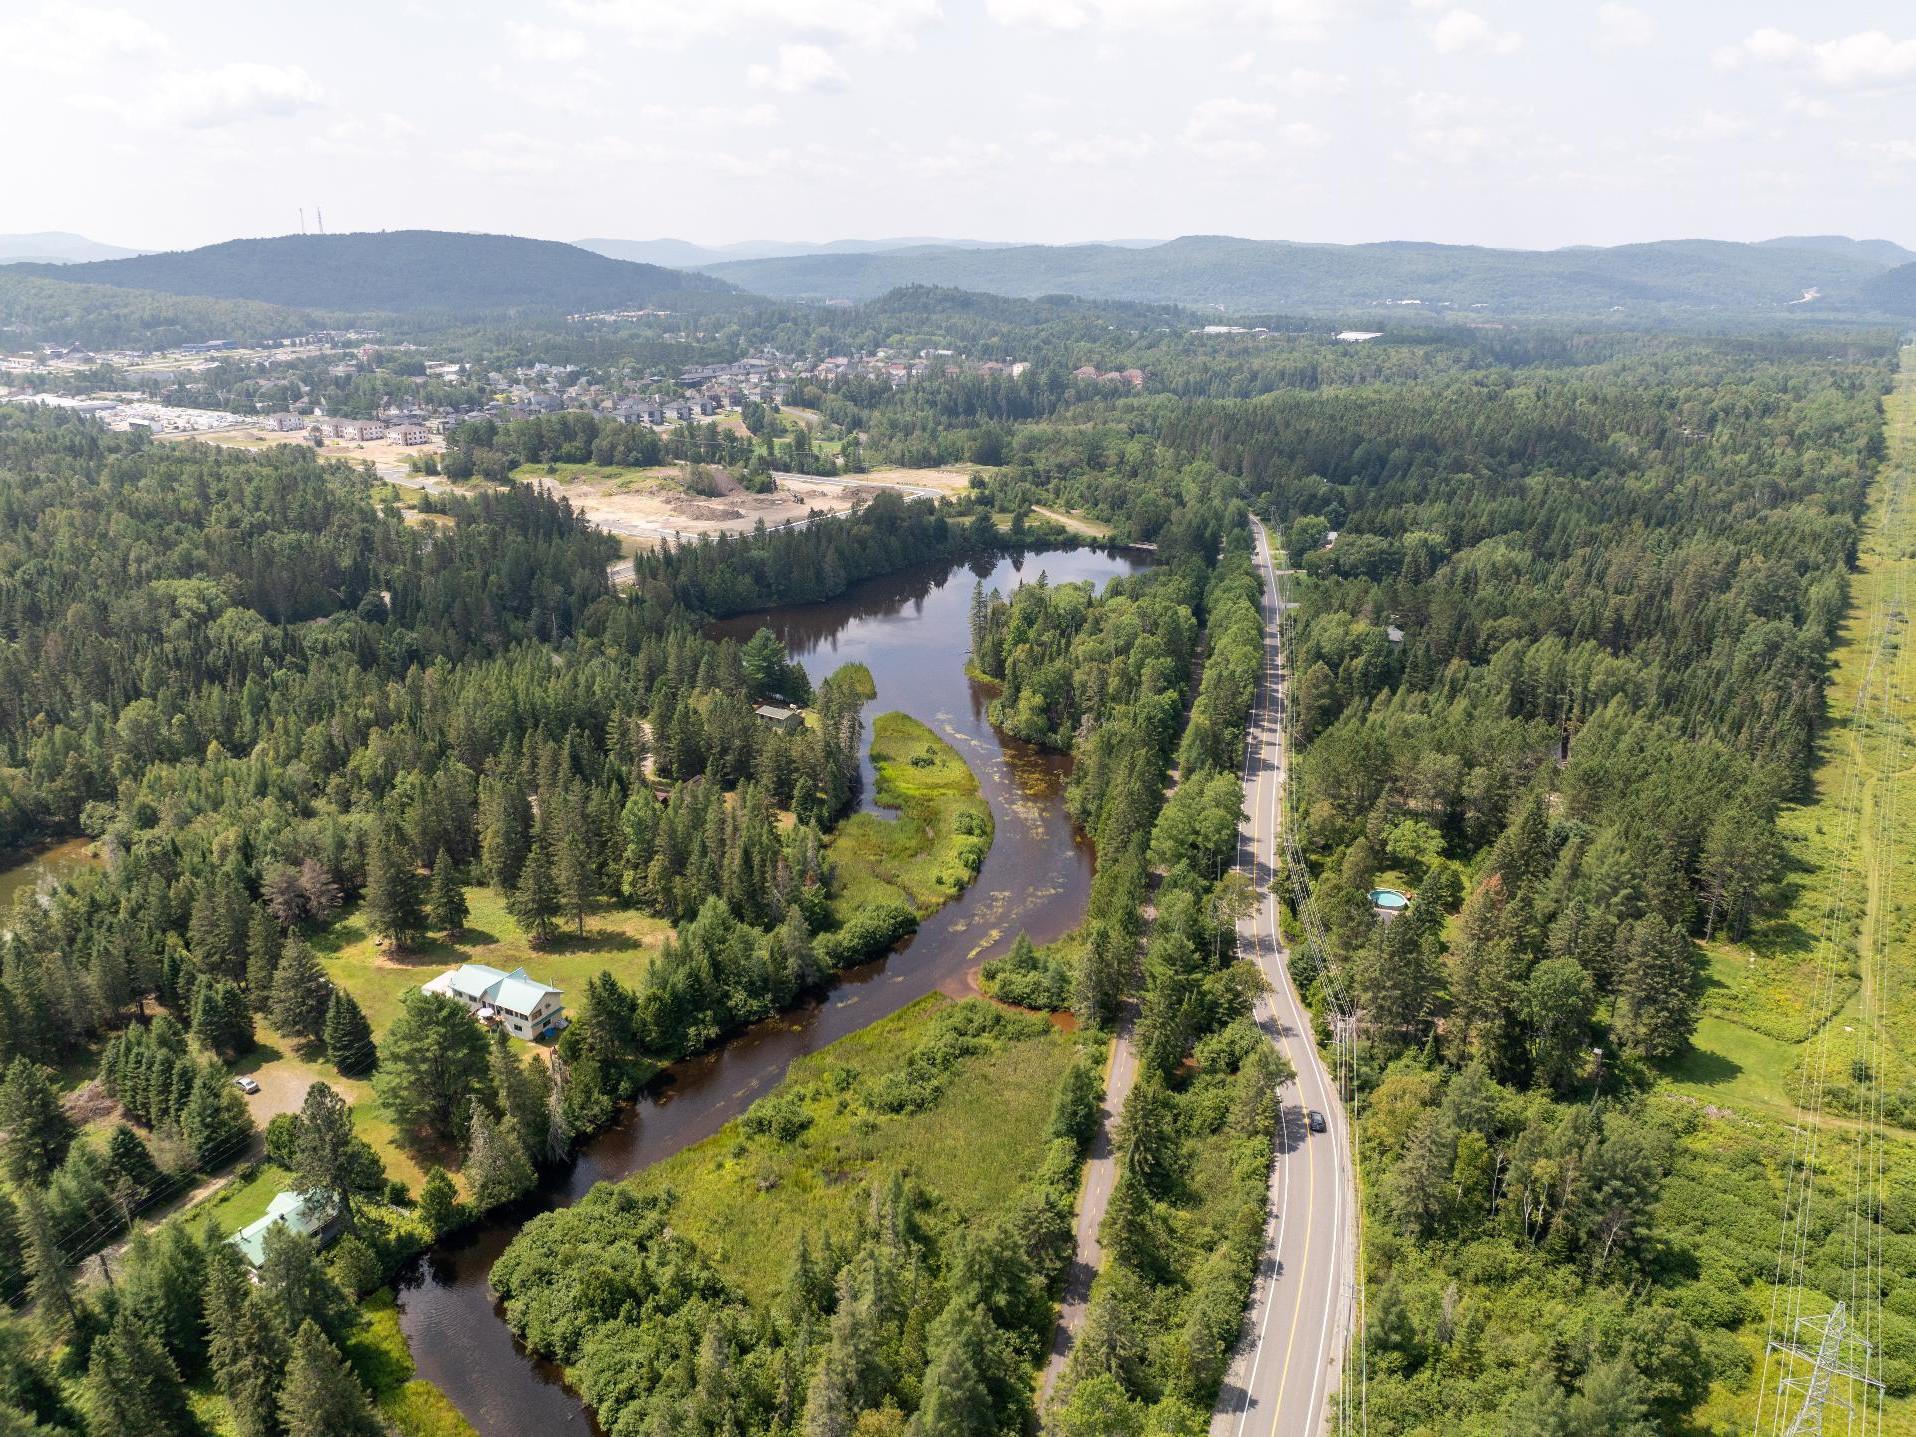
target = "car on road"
x: 1316, y: 1121
x: 246, y: 1085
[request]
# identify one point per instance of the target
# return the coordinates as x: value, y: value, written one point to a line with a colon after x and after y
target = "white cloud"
x: 1231, y: 133
x: 1447, y: 128
x: 1225, y: 118
x: 510, y: 152
x: 1466, y: 32
x: 1707, y: 125
x: 799, y: 70
x: 1867, y: 60
x: 74, y: 39
x: 1808, y: 107
x: 242, y: 90
x: 669, y: 25
x: 1313, y: 84
x: 1092, y: 152
x: 544, y: 42
x: 1306, y: 16
x: 956, y: 159
x: 1623, y: 27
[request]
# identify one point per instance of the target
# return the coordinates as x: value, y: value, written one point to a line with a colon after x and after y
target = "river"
x: 911, y: 630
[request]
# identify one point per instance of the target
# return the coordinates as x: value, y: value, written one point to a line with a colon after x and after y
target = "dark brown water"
x: 911, y: 629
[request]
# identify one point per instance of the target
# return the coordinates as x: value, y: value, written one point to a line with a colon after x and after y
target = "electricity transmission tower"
x: 1833, y: 1353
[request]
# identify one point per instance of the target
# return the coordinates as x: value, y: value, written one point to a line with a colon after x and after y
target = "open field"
x: 1819, y: 997
x: 931, y: 851
x: 745, y: 1199
x: 381, y: 453
x: 648, y: 504
x: 1851, y: 850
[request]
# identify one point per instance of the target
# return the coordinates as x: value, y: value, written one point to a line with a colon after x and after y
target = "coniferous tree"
x: 221, y: 1018
x: 572, y: 874
x: 263, y: 944
x: 534, y: 903
x: 134, y: 1175
x: 38, y: 1130
x: 392, y: 907
x: 497, y: 1169
x: 295, y: 1285
x: 54, y: 1307
x: 347, y: 1035
x: 301, y: 991
x: 321, y: 1397
x: 446, y: 898
x: 246, y: 1347
x: 132, y: 1386
x: 432, y: 1064
x: 957, y: 1401
x: 329, y: 1157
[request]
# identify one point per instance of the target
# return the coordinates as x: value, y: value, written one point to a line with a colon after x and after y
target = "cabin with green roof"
x: 315, y: 1215
x: 523, y: 1006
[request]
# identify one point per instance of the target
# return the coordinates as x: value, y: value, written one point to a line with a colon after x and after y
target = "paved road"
x: 1284, y: 1375
x: 1100, y: 1175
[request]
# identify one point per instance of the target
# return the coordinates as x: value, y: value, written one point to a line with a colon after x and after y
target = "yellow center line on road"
x: 1310, y: 1148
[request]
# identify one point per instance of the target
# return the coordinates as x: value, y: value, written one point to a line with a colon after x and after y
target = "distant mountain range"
x: 435, y: 273
x: 399, y: 272
x: 683, y: 254
x: 1265, y: 276
x: 58, y: 247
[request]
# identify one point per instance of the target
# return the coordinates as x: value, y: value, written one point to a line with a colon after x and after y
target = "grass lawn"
x: 1735, y: 1067
x: 745, y: 1199
x: 620, y: 939
x: 237, y: 1204
x: 929, y: 853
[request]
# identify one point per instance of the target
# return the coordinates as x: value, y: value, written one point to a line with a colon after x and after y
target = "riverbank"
x: 909, y: 629
x: 933, y: 849
x: 906, y: 1168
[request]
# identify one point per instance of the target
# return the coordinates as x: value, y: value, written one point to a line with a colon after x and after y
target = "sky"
x: 1482, y: 122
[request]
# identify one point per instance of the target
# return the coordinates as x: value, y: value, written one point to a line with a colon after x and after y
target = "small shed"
x: 780, y: 717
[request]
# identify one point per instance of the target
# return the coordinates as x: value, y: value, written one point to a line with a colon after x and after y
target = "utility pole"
x: 1833, y: 1351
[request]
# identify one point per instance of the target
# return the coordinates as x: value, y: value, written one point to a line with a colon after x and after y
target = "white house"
x: 408, y: 432
x: 526, y: 1007
x: 284, y: 423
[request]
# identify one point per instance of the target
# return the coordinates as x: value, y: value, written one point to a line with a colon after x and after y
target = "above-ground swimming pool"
x: 1389, y: 900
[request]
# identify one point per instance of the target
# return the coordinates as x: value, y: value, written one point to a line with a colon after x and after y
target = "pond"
x: 911, y: 629
x: 27, y: 871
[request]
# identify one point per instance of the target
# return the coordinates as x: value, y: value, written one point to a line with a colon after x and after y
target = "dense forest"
x: 1564, y: 609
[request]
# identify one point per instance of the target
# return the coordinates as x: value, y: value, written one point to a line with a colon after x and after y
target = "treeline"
x: 907, y: 1320
x: 492, y: 449
x: 1560, y: 656
x: 1184, y: 1229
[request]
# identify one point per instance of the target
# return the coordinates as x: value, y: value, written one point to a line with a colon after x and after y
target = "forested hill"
x: 406, y: 271
x: 1894, y: 291
x: 1256, y: 275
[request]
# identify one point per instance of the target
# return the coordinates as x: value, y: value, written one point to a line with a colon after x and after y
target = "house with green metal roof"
x: 523, y: 1006
x: 316, y: 1216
